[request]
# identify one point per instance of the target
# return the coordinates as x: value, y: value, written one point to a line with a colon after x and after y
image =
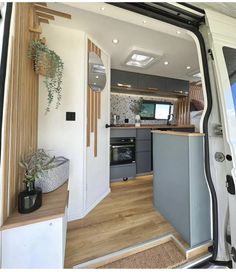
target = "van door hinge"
x: 211, y: 54
x: 230, y: 185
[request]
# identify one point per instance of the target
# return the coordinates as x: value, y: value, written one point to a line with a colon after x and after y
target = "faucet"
x: 168, y: 118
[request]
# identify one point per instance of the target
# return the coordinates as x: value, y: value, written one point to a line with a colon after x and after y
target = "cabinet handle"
x: 123, y: 85
x: 154, y: 89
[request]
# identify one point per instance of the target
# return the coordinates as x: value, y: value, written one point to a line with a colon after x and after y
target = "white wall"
x: 67, y: 138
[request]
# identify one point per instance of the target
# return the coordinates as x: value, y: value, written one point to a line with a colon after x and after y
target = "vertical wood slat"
x: 20, y: 111
x: 88, y: 101
x: 99, y: 94
x: 93, y: 105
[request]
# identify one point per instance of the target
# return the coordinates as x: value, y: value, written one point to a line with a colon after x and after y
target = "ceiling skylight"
x: 140, y: 59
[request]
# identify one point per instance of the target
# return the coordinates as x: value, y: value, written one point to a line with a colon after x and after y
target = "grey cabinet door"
x: 143, y: 134
x: 149, y: 82
x: 143, y: 162
x: 177, y: 85
x: 124, y: 79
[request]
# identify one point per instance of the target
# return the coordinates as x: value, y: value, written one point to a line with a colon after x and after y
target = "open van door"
x: 222, y: 42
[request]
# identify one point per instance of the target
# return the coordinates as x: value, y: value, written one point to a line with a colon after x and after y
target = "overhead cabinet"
x: 149, y: 82
x: 124, y: 79
x: 129, y: 80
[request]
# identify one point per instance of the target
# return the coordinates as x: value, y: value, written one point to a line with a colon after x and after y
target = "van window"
x: 230, y: 60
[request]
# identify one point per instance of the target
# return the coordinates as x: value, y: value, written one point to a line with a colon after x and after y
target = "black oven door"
x: 122, y: 153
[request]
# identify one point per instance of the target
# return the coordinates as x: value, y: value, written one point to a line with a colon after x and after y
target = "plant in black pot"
x: 35, y: 165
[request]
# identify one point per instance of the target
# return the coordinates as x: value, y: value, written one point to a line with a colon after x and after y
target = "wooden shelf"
x: 53, y: 206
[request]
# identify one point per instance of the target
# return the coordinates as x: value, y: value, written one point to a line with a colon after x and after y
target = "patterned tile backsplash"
x: 120, y: 104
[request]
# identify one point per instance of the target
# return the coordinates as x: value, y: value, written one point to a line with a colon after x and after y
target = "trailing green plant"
x: 35, y: 165
x: 53, y: 68
x: 136, y: 106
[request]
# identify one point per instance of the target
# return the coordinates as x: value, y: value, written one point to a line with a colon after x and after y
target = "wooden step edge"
x: 198, y: 250
x: 123, y: 253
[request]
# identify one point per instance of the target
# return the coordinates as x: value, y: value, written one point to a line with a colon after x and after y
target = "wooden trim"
x: 20, y: 110
x: 124, y: 253
x: 44, y: 15
x: 178, y: 133
x: 41, y: 4
x: 42, y: 20
x: 52, y: 11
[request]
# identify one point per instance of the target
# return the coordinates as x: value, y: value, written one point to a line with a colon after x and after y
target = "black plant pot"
x: 30, y: 199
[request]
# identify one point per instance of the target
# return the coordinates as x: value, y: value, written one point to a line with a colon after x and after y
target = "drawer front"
x: 126, y: 132
x: 123, y: 171
x: 143, y: 145
x: 143, y: 161
x: 143, y: 134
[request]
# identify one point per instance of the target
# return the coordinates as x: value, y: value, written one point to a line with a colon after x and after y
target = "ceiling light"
x: 188, y: 67
x: 166, y: 62
x: 144, y: 21
x: 115, y: 41
x: 97, y: 76
x: 178, y: 32
x: 102, y: 8
x: 140, y: 59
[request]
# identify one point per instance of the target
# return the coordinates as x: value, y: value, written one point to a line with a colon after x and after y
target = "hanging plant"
x: 49, y: 64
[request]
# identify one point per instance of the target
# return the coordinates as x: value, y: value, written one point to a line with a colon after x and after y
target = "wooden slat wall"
x: 196, y: 92
x: 93, y: 105
x: 21, y: 112
x: 183, y: 104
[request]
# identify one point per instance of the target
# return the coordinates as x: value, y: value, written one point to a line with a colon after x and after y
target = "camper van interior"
x: 130, y: 123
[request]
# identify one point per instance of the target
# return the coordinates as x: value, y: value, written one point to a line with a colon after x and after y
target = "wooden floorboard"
x: 124, y: 218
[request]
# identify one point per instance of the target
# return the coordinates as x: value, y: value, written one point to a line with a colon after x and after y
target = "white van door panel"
x: 223, y: 45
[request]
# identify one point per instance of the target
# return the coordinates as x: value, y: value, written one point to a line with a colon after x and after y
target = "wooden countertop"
x: 53, y: 206
x: 151, y: 126
x: 178, y: 133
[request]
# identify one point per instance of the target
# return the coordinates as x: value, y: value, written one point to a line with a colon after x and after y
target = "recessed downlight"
x: 115, y: 41
x: 178, y: 32
x: 97, y: 76
x: 188, y: 67
x: 144, y: 21
x: 102, y: 8
x: 166, y: 62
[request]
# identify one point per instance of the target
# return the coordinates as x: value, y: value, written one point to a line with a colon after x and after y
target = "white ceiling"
x: 178, y: 49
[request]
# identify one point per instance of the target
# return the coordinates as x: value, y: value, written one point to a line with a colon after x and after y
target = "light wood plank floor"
x: 124, y: 218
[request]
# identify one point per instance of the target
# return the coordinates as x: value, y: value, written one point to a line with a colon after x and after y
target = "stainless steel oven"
x: 122, y: 151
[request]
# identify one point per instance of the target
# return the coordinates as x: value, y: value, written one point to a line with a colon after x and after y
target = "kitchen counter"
x: 178, y: 133
x: 126, y: 126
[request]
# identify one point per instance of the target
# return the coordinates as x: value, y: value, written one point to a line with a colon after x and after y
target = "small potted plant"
x: 35, y: 165
x: 48, y: 64
x: 136, y: 107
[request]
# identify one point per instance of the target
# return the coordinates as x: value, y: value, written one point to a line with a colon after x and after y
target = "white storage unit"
x: 38, y: 239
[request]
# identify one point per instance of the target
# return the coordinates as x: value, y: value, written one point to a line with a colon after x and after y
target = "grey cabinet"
x: 177, y: 85
x: 124, y: 79
x: 118, y: 172
x: 139, y: 81
x: 149, y: 82
x: 180, y: 189
x: 143, y: 150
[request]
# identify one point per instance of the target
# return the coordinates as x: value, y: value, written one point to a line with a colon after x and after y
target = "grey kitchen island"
x: 181, y: 192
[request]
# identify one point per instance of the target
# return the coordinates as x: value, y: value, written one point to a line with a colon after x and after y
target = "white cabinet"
x: 37, y: 245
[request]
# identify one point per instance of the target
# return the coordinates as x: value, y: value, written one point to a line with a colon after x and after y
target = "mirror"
x: 96, y: 73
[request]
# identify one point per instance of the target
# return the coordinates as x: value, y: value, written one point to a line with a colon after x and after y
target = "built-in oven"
x: 122, y: 151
